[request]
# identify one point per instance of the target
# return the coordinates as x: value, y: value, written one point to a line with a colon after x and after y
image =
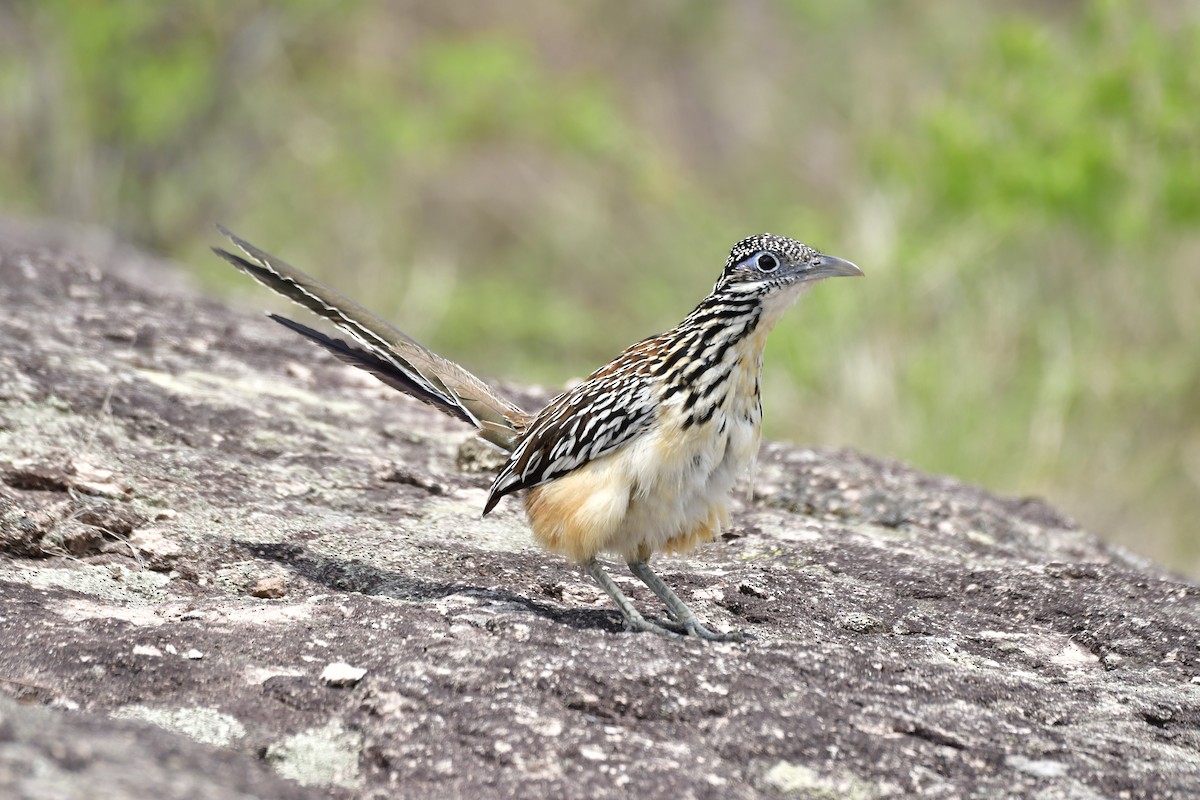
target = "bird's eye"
x: 768, y: 262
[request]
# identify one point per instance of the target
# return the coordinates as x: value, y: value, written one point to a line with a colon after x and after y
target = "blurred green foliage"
x: 529, y: 186
x: 1088, y: 127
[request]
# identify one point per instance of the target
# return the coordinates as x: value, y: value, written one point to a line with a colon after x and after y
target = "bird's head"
x: 767, y: 264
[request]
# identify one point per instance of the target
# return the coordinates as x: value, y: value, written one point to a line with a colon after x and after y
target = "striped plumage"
x: 642, y: 456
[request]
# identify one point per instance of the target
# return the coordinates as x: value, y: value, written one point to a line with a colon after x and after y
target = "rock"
x: 47, y: 753
x: 156, y: 546
x: 859, y: 622
x: 341, y: 674
x: 272, y: 586
x: 325, y: 756
x: 914, y: 636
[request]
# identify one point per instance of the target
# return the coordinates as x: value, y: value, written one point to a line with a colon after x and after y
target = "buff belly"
x: 667, y: 490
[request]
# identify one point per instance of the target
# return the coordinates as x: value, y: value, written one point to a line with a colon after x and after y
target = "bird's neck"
x: 741, y: 315
x: 712, y: 360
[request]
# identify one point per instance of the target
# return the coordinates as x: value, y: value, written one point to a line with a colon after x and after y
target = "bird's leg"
x: 692, y: 626
x: 634, y: 620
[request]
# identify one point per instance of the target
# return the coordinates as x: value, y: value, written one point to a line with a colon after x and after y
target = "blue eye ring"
x: 767, y: 262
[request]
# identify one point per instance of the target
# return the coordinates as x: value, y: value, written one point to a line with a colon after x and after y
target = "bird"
x: 639, y: 458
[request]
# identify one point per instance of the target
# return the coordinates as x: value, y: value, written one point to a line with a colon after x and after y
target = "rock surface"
x: 199, y: 514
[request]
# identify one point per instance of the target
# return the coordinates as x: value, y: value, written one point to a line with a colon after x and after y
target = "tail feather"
x: 386, y: 352
x: 383, y: 370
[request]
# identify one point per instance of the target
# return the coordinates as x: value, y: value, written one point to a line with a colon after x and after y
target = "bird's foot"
x: 697, y: 629
x: 640, y: 624
x: 685, y: 622
x: 700, y: 631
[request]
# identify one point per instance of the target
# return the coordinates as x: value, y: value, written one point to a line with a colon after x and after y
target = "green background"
x: 530, y: 186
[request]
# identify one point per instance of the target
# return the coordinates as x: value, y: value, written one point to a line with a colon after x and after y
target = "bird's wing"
x: 609, y: 409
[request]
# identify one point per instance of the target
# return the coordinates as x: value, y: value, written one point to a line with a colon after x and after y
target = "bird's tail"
x: 381, y: 349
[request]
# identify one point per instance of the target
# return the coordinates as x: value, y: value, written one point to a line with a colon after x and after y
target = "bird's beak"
x: 829, y: 267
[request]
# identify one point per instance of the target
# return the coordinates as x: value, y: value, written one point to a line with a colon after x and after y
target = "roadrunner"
x: 642, y: 456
